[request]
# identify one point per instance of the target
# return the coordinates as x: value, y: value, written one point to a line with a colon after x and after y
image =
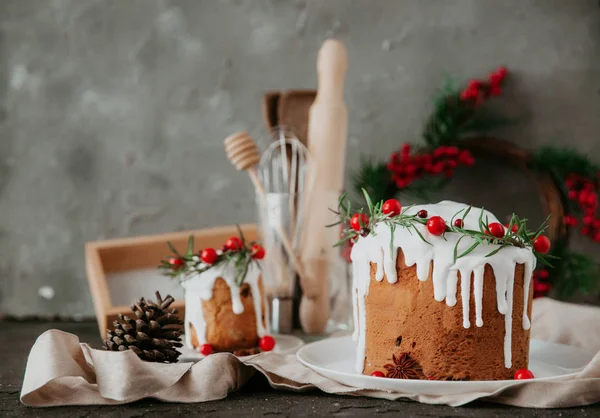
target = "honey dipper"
x: 243, y: 153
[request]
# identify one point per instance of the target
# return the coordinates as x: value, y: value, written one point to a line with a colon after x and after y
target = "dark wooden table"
x: 255, y: 399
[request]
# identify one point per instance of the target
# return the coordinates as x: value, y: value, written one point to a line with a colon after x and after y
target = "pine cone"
x: 153, y: 336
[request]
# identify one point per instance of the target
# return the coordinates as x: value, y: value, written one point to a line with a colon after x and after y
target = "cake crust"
x: 226, y: 330
x: 404, y: 317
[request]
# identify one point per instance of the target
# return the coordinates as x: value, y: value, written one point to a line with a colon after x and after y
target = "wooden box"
x: 110, y: 257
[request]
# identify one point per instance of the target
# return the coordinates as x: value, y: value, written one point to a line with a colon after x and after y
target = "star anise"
x: 403, y: 367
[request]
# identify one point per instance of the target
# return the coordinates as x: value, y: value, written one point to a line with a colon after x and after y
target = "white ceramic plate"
x: 284, y: 344
x: 334, y: 358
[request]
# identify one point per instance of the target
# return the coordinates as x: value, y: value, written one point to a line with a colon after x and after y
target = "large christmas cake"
x: 441, y: 291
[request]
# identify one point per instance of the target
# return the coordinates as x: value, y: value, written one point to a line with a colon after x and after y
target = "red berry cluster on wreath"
x: 541, y: 284
x: 585, y: 193
x: 405, y: 168
x: 478, y: 90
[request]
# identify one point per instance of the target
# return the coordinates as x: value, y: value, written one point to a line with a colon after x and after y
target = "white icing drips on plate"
x: 199, y: 287
x: 376, y: 248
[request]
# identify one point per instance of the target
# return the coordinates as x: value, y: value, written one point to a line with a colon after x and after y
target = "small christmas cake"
x: 441, y: 291
x: 225, y: 305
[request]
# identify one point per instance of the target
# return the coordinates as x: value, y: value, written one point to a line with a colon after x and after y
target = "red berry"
x: 377, y: 373
x: 596, y: 237
x: 541, y: 244
x: 541, y: 287
x: 422, y: 214
x: 474, y: 84
x: 175, y: 262
x: 573, y: 194
x: 464, y: 156
x: 569, y: 183
x: 266, y: 343
x: 502, y: 71
x: 452, y: 151
x: 497, y: 76
x: 585, y: 230
x: 402, y: 183
x: 459, y: 223
x: 257, y: 251
x: 513, y: 228
x: 209, y: 255
x: 569, y: 220
x: 436, y: 225
x: 391, y: 207
x: 543, y: 274
x: 206, y: 349
x: 233, y: 243
x: 468, y: 94
x: 405, y: 148
x: 588, y: 219
x: 437, y: 168
x: 522, y: 374
x: 496, y: 229
x: 358, y: 221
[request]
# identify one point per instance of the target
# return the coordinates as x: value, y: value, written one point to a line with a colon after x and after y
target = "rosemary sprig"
x: 190, y: 263
x: 516, y: 233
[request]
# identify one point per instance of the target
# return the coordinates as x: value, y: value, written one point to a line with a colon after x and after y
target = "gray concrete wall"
x: 112, y: 113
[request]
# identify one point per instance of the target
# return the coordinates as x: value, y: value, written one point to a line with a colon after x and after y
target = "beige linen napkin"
x: 63, y: 371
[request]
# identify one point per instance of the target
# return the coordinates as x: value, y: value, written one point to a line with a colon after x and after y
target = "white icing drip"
x: 526, y: 282
x: 199, y: 287
x: 501, y: 293
x: 451, y: 288
x: 478, y: 294
x: 445, y: 281
x: 508, y: 325
x: 379, y: 273
x: 465, y: 293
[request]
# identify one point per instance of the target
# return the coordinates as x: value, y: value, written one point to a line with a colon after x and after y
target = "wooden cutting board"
x: 290, y: 109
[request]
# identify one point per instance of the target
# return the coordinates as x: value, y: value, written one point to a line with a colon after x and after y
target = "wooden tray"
x: 120, y: 255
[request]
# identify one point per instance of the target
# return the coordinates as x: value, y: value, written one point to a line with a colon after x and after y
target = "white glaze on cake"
x: 199, y: 287
x: 376, y: 248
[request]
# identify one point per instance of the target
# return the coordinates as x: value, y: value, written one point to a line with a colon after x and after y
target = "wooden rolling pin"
x: 327, y: 136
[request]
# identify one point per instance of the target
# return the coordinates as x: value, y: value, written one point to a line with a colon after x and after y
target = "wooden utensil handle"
x: 331, y: 70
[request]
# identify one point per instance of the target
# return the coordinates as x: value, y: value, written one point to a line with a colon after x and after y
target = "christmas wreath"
x: 456, y: 135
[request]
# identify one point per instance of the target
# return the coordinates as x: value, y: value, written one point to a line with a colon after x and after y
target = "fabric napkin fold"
x: 63, y: 371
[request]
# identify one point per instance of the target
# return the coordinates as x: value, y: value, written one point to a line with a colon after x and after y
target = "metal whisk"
x: 282, y: 171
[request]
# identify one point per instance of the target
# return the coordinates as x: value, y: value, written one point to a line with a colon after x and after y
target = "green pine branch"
x: 564, y: 161
x: 454, y: 118
x: 375, y: 178
x: 573, y: 273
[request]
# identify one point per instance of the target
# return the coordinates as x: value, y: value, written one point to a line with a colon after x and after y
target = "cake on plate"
x: 225, y: 304
x: 441, y: 291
